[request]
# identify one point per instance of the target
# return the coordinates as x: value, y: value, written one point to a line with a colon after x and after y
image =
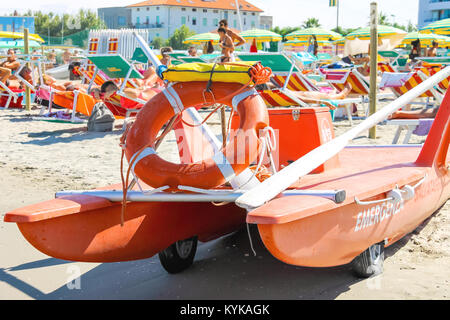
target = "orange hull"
x: 88, y: 229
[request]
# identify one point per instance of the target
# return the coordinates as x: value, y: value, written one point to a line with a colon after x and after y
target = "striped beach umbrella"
x: 299, y: 43
x: 425, y: 38
x: 438, y: 27
x: 383, y: 32
x: 202, y: 38
x: 18, y: 44
x: 260, y: 35
x: 20, y: 35
x: 321, y: 34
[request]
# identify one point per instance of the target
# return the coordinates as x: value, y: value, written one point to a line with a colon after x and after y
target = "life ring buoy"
x: 239, y: 153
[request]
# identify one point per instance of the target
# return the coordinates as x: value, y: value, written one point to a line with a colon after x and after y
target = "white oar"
x: 279, y: 182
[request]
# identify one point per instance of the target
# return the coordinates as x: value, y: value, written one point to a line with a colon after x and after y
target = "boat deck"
x: 364, y: 173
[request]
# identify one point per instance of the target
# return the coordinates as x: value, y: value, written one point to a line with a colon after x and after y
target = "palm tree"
x: 311, y: 23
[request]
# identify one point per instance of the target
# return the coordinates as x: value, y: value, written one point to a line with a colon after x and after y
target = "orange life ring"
x: 240, y: 152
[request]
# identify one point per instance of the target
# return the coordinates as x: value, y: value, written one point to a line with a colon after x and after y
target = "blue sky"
x: 353, y: 13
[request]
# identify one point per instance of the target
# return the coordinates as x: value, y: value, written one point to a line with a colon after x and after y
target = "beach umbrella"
x: 299, y: 43
x: 260, y: 35
x: 358, y: 41
x: 383, y: 32
x: 18, y: 44
x: 321, y: 34
x: 19, y: 35
x: 425, y: 38
x: 202, y: 38
x: 438, y: 27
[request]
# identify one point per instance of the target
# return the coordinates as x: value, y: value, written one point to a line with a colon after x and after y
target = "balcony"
x: 146, y: 25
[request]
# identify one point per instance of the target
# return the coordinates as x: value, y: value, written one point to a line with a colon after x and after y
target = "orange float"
x: 208, y: 173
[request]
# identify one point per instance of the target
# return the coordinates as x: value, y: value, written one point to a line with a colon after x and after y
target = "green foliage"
x: 158, y: 43
x: 343, y: 31
x: 50, y: 24
x: 180, y: 34
x: 284, y: 31
x: 311, y: 23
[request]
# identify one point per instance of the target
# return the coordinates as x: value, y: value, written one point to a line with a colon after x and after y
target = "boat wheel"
x: 370, y: 262
x: 179, y: 256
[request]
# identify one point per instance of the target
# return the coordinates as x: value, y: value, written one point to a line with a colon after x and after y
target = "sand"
x: 39, y: 158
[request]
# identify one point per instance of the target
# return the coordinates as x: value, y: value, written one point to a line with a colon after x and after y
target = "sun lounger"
x: 339, y: 78
x: 7, y: 95
x: 411, y: 126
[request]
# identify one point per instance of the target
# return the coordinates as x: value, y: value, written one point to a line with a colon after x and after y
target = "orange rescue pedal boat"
x: 347, y: 209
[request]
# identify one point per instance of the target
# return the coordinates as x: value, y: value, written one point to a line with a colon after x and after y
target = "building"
x: 266, y: 22
x: 433, y: 10
x: 163, y: 17
x: 16, y: 23
x: 115, y: 17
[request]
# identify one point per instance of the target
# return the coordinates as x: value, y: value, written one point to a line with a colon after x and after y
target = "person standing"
x: 235, y: 38
x: 226, y: 43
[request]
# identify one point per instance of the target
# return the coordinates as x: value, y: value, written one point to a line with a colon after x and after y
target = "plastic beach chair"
x: 8, y: 95
x: 410, y: 125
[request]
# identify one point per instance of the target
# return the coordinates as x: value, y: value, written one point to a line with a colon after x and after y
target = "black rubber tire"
x: 370, y: 262
x: 179, y: 256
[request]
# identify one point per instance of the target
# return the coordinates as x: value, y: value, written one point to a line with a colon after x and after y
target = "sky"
x: 353, y: 13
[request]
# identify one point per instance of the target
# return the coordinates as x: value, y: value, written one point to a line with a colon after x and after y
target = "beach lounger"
x: 288, y: 76
x: 420, y: 127
x: 339, y: 78
x: 414, y: 79
x: 8, y: 96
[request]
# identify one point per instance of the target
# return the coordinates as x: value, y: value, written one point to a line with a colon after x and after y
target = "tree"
x: 311, y: 23
x: 180, y: 34
x: 158, y: 43
x: 285, y: 31
x: 50, y: 24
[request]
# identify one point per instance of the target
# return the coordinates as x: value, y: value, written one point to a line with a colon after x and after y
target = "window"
x: 121, y: 21
x: 157, y: 19
x: 215, y: 11
x: 253, y: 24
x: 205, y: 10
x: 138, y: 20
x: 216, y: 22
x: 138, y: 9
x: 205, y: 22
x: 148, y: 8
x: 253, y: 13
x: 183, y: 20
x: 194, y: 21
x: 157, y: 8
x: 183, y: 9
x: 148, y: 20
x: 245, y: 21
x: 235, y: 24
x: 194, y: 10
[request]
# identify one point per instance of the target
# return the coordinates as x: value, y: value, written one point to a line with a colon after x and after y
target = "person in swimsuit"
x: 432, y: 52
x: 109, y: 88
x: 226, y: 43
x: 316, y: 96
x: 9, y: 66
x: 236, y: 39
x: 415, y: 114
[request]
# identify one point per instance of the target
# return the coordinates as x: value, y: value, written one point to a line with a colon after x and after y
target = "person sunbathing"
x: 316, y: 96
x: 66, y: 86
x: 414, y: 114
x: 109, y: 88
x: 9, y: 66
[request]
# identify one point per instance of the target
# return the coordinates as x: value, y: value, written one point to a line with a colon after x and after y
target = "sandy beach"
x: 39, y: 158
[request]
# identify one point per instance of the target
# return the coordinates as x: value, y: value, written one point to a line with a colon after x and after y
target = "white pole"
x: 279, y: 182
x: 239, y: 14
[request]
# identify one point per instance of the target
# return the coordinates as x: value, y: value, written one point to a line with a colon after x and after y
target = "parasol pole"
x: 26, y: 50
x: 239, y: 14
x: 373, y: 64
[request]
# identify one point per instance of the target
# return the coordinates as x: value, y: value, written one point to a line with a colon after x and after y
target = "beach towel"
x: 394, y: 79
x: 424, y: 127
